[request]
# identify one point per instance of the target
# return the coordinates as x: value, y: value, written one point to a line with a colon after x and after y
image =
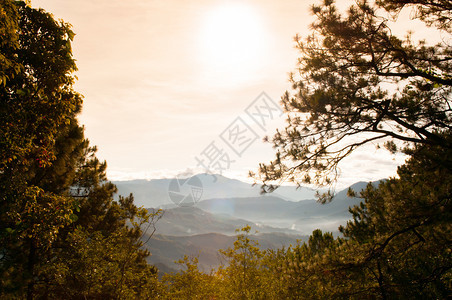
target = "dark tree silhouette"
x: 356, y: 83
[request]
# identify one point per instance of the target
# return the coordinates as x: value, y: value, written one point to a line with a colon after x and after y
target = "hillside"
x: 210, y: 225
x: 168, y: 249
x: 183, y: 221
x: 303, y: 216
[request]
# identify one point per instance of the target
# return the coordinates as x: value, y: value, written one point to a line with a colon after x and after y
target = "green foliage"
x: 36, y: 95
x: 36, y: 102
x: 247, y: 273
x: 357, y: 83
x: 403, y: 227
x: 300, y: 277
x: 62, y: 235
x: 95, y: 265
x: 190, y: 283
x: 242, y: 273
x: 397, y: 246
x: 98, y: 255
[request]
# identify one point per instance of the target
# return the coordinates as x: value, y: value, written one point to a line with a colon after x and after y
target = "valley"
x: 280, y: 219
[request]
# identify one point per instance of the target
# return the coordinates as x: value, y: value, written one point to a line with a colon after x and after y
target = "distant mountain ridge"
x: 203, y: 229
x: 186, y: 221
x: 303, y: 216
x: 155, y: 192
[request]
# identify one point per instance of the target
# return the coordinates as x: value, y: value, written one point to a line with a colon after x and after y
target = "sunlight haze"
x: 163, y: 79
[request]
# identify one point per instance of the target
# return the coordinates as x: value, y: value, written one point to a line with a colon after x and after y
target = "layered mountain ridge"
x: 202, y: 228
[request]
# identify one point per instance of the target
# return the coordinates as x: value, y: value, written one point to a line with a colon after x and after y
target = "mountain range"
x: 303, y: 216
x: 282, y: 218
x: 155, y: 192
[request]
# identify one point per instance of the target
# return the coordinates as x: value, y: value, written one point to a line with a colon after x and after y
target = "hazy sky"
x: 163, y: 80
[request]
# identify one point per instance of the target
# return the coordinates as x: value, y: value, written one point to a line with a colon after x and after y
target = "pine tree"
x: 397, y: 245
x: 357, y: 83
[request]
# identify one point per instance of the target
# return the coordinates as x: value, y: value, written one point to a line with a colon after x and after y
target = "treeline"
x: 62, y: 236
x: 397, y: 246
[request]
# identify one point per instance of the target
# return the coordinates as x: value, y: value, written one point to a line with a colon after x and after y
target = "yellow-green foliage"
x: 397, y: 246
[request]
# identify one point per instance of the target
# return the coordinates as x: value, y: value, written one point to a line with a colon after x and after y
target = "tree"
x: 242, y: 273
x: 36, y: 101
x: 401, y: 230
x: 303, y: 275
x: 432, y: 12
x: 190, y: 283
x: 88, y: 263
x: 62, y: 235
x: 358, y: 83
x: 396, y: 247
x: 98, y: 255
x: 36, y: 77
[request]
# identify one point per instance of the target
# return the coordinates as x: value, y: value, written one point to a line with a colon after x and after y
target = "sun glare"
x: 231, y: 43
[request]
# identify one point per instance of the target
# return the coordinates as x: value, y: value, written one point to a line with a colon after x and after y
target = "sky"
x: 166, y: 84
